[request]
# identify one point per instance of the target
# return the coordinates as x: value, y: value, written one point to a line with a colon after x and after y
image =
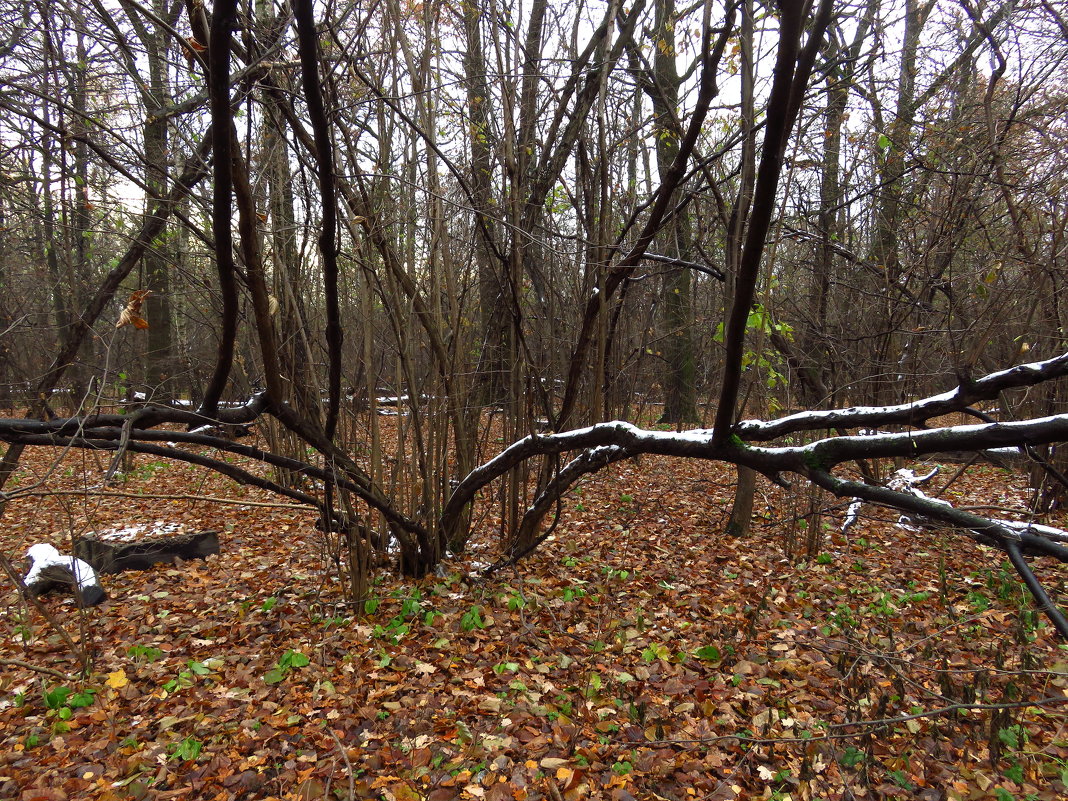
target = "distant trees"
x: 528, y: 223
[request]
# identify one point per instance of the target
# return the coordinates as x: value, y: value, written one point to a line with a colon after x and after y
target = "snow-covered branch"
x: 915, y: 413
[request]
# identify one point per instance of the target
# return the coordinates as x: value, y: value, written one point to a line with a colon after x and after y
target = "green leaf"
x: 188, y: 749
x: 56, y: 697
x: 1010, y: 737
x: 274, y: 676
x: 883, y: 143
x: 297, y: 659
x: 852, y: 757
x: 83, y: 698
x: 472, y: 619
x: 709, y: 653
x: 901, y: 779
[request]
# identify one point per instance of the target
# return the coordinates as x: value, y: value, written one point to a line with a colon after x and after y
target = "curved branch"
x: 990, y: 532
x: 792, y: 69
x: 1038, y: 592
x: 711, y: 56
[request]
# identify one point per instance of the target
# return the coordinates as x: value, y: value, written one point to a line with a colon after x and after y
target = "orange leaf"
x: 131, y: 315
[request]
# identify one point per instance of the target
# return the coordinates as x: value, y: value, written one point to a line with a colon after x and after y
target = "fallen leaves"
x: 640, y: 656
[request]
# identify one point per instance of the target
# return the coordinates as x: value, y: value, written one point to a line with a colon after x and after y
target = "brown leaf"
x: 131, y: 315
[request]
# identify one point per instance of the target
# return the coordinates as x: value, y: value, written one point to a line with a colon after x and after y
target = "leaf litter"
x: 638, y: 654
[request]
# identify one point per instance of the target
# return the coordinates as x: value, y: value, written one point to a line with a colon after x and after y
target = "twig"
x: 38, y: 668
x: 160, y: 497
x: 81, y: 652
x: 880, y: 723
x: 348, y: 764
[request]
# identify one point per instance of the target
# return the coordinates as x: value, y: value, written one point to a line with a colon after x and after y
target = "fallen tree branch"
x: 36, y: 668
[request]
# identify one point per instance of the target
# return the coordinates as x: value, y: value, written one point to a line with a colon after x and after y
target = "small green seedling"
x: 289, y: 661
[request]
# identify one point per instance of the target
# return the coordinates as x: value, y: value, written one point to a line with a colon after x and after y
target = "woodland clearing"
x: 639, y: 653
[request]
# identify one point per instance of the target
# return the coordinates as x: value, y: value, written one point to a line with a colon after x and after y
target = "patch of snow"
x: 852, y: 514
x: 141, y: 531
x: 45, y: 556
x: 905, y: 480
x: 1049, y: 532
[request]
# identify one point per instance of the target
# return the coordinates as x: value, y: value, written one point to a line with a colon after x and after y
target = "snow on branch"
x: 826, y: 453
x: 914, y: 413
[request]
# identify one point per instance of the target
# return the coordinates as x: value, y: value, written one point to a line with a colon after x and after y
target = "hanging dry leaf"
x: 131, y: 315
x: 272, y: 305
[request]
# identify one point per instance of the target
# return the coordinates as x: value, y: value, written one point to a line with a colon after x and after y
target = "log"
x: 51, y: 570
x: 109, y: 555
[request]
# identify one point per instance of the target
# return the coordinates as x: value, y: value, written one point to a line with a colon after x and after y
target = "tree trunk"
x: 156, y: 264
x: 674, y: 240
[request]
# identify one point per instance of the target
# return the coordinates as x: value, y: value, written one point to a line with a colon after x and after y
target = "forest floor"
x: 638, y: 654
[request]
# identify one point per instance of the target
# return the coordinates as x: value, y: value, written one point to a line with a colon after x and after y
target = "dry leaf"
x: 131, y: 315
x: 117, y: 680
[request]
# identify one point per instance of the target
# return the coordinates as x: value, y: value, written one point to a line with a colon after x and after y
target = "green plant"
x: 655, y: 651
x: 571, y: 593
x: 56, y: 697
x: 709, y: 653
x: 472, y: 619
x: 63, y: 701
x: 851, y: 757
x: 1013, y: 736
x: 187, y: 749
x: 289, y: 661
x: 901, y: 779
x: 144, y: 653
x: 187, y: 677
